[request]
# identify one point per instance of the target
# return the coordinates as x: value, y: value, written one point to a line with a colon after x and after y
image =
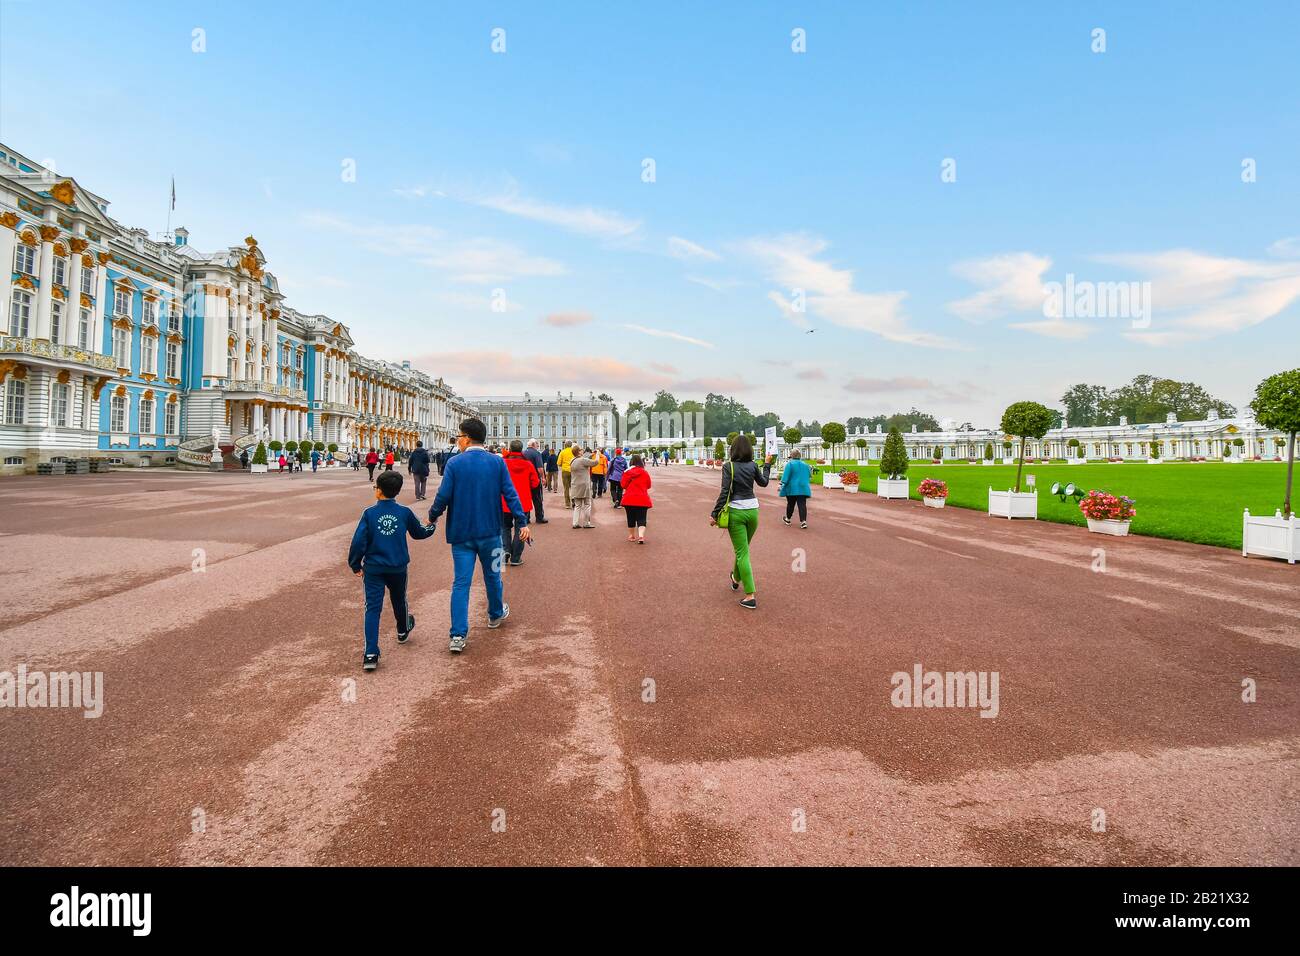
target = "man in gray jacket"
x: 580, y: 488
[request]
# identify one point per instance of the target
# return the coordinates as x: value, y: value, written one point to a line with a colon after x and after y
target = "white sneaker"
x: 496, y: 621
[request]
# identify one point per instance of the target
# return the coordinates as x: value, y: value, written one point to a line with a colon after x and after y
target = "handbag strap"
x: 732, y: 485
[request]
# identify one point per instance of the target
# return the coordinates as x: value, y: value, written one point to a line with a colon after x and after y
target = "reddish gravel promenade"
x: 225, y: 690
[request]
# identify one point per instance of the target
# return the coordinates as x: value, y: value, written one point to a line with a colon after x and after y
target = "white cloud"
x: 1288, y: 248
x: 665, y: 334
x: 1056, y: 329
x: 792, y: 260
x: 717, y: 285
x: 1012, y: 282
x: 586, y: 220
x: 680, y: 248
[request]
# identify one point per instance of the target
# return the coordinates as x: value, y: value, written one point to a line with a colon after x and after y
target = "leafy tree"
x: 833, y: 435
x: 1277, y: 405
x: 664, y: 401
x: 988, y: 452
x: 319, y: 446
x: 861, y: 443
x: 792, y: 436
x: 291, y: 446
x: 259, y: 456
x: 275, y: 446
x: 1026, y: 420
x: 1083, y: 405
x: 332, y: 447
x: 719, y: 450
x: 1149, y: 398
x: 893, y: 461
x: 731, y: 438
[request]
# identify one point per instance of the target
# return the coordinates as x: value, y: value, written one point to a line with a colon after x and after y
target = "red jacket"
x: 524, y: 476
x: 636, y: 488
x: 372, y: 458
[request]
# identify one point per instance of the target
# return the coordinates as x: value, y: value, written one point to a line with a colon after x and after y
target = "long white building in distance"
x: 116, y: 345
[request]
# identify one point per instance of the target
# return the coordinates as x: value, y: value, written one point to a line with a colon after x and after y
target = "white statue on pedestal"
x: 216, y: 445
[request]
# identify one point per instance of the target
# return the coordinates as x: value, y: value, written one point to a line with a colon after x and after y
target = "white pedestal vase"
x: 831, y: 479
x: 851, y: 489
x: 1274, y: 537
x: 1107, y: 526
x: 1008, y: 461
x: 891, y: 487
x: 1013, y: 504
x: 1155, y: 461
x: 934, y: 502
x: 257, y: 469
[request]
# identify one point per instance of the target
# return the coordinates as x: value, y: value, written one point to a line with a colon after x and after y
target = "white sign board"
x: 769, y: 439
x: 1029, y: 480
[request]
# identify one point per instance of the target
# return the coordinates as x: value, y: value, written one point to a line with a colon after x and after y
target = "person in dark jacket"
x: 418, y: 465
x: 617, y: 466
x: 552, y: 468
x: 538, y: 461
x: 379, y: 554
x: 472, y: 488
x: 739, y: 476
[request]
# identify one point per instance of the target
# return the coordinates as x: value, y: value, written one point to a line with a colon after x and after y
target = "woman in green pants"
x: 739, y: 476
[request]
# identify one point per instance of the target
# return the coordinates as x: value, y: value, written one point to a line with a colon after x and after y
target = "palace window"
x: 173, y: 360
x: 173, y: 318
x: 83, y: 330
x: 25, y: 259
x: 150, y: 312
x: 122, y: 348
x: 148, y: 354
x: 146, y: 416
x: 20, y: 313
x: 59, y: 401
x: 121, y: 301
x: 15, y: 401
x: 87, y: 277
x: 56, y: 321
x: 117, y: 413
x: 60, y: 271
x: 170, y: 415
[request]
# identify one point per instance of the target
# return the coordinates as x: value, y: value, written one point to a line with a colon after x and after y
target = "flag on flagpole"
x: 173, y: 192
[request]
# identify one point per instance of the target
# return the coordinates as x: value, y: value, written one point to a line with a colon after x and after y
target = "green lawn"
x: 1200, y: 502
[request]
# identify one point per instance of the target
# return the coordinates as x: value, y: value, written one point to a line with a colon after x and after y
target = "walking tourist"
x: 315, y: 460
x: 563, y: 460
x: 471, y: 491
x: 737, y: 510
x: 379, y: 554
x: 372, y: 459
x: 552, y: 468
x: 418, y: 465
x: 538, y: 461
x: 243, y: 460
x: 389, y: 458
x: 617, y: 466
x: 598, y: 474
x: 796, y: 487
x: 636, y: 498
x: 578, y: 487
x: 527, y: 484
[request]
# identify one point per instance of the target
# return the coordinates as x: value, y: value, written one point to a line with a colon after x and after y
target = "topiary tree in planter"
x: 259, y: 456
x: 1155, y: 448
x: 1026, y: 420
x: 893, y: 461
x: 275, y: 446
x: 1277, y: 405
x: 291, y: 446
x: 319, y: 446
x: 731, y: 438
x: 861, y: 443
x: 792, y: 436
x: 1073, y: 445
x: 833, y: 434
x: 332, y: 447
x: 988, y: 452
x: 719, y: 450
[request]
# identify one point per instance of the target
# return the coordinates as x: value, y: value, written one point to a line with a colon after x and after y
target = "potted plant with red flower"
x: 1107, y: 513
x: 934, y: 493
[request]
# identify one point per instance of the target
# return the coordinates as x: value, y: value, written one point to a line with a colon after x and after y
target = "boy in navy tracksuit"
x: 379, y: 553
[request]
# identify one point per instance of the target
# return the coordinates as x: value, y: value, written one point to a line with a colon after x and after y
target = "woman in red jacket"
x: 372, y: 459
x: 636, y: 498
x: 523, y: 474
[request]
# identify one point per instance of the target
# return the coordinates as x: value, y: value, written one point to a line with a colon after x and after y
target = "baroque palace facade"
x: 143, y: 352
x: 552, y: 421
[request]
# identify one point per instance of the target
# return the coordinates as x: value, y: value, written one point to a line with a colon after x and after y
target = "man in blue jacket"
x: 379, y: 553
x: 418, y: 465
x: 474, y: 485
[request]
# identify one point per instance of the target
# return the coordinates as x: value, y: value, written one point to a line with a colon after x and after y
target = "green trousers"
x: 742, y: 527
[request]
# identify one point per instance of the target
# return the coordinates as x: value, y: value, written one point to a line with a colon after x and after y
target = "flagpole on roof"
x: 170, y: 208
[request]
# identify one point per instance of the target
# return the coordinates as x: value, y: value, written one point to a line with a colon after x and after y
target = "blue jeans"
x: 489, y: 553
x: 376, y: 583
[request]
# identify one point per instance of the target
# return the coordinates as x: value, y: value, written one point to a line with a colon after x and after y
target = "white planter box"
x: 891, y: 487
x: 831, y: 479
x: 1008, y: 461
x: 988, y: 462
x: 1155, y: 461
x: 1107, y: 526
x: 1076, y: 461
x: 1013, y: 504
x: 1274, y: 537
x: 934, y: 502
x: 257, y: 469
x: 851, y: 489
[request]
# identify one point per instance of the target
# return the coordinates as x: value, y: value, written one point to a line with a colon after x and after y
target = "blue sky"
x: 774, y: 171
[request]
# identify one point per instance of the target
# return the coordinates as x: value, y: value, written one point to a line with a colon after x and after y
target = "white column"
x: 8, y: 241
x: 100, y: 310
x: 45, y: 270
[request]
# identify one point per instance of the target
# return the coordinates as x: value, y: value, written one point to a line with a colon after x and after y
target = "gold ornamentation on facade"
x: 121, y: 322
x: 87, y: 262
x: 60, y: 250
x: 20, y: 371
x: 78, y: 245
x: 85, y: 301
x: 150, y: 331
x: 58, y: 293
x: 9, y: 220
x: 102, y: 258
x: 148, y: 394
x: 27, y: 237
x: 63, y: 376
x: 120, y: 391
x: 63, y: 192
x: 49, y: 233
x: 25, y: 282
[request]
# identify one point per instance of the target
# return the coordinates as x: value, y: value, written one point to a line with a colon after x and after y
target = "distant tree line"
x: 1148, y: 398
